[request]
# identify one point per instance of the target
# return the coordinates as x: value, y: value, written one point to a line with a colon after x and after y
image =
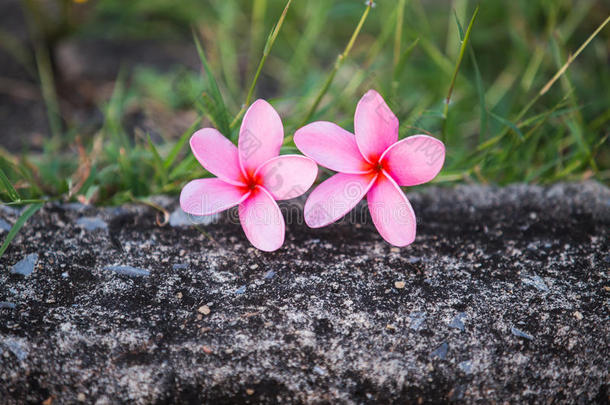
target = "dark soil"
x: 505, y: 299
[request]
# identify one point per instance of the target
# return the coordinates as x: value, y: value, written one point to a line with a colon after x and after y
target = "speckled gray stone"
x: 329, y: 326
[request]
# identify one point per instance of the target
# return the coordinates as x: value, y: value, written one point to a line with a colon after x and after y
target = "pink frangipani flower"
x: 251, y: 175
x: 372, y: 163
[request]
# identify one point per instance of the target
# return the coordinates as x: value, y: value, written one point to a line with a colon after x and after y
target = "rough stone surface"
x: 319, y: 321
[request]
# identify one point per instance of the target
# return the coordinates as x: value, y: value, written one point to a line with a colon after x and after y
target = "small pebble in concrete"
x: 319, y: 370
x: 254, y: 267
x: 457, y: 393
x: 249, y: 391
x: 466, y: 366
x: 399, y: 284
x: 417, y: 320
x: 241, y: 290
x: 6, y: 305
x: 92, y: 223
x: 458, y: 321
x: 129, y: 271
x: 10, y: 210
x: 204, y: 309
x: 16, y: 346
x: 536, y: 282
x: 441, y: 351
x: 74, y: 206
x: 578, y: 315
x: 25, y: 266
x: 179, y: 218
x: 180, y: 266
x: 520, y: 333
x: 5, y: 226
x: 269, y: 274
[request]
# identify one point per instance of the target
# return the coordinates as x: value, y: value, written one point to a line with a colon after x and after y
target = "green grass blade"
x: 173, y: 154
x: 481, y: 94
x: 400, y: 11
x: 10, y: 190
x: 402, y: 61
x: 507, y: 123
x: 268, y: 45
x: 556, y: 77
x: 221, y: 115
x: 459, y: 25
x: 29, y: 211
x: 209, y: 108
x: 340, y: 59
x: 113, y: 112
x: 459, y: 60
x: 572, y: 57
x: 257, y: 20
x: 316, y: 23
x: 157, y: 160
x: 184, y: 169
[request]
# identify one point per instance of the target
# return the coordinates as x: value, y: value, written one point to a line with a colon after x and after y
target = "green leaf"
x: 29, y: 211
x: 10, y: 190
x: 221, y: 115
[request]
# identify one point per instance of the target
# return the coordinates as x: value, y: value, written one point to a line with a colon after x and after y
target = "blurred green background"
x: 98, y: 97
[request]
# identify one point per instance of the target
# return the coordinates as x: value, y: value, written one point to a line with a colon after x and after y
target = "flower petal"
x: 260, y: 137
x: 209, y: 196
x: 414, y: 160
x: 392, y: 213
x: 217, y: 155
x: 262, y: 220
x: 335, y: 197
x: 375, y: 125
x: 287, y: 176
x: 331, y: 146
